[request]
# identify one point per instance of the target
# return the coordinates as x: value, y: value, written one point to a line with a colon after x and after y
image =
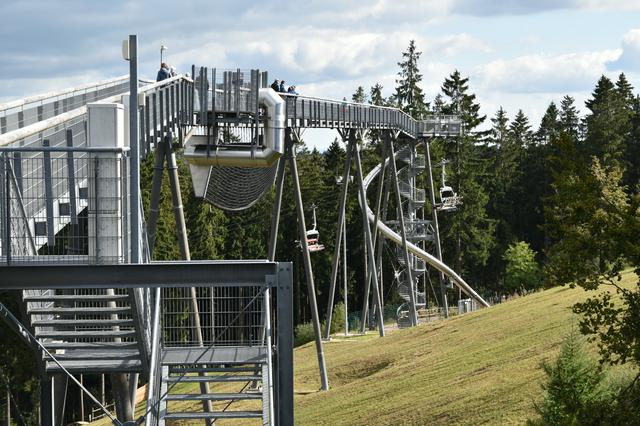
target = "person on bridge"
x: 292, y: 90
x: 173, y: 72
x: 275, y: 85
x: 163, y: 73
x: 282, y: 88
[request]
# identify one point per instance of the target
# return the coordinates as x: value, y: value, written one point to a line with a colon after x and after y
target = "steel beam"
x: 145, y: 275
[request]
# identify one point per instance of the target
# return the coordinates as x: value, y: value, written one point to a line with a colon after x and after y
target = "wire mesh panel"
x: 217, y: 315
x: 64, y: 205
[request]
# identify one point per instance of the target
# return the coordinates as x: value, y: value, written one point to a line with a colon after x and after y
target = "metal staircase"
x: 238, y: 391
x: 87, y: 331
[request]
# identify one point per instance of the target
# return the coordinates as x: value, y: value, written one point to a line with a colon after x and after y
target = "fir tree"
x: 359, y: 96
x: 550, y: 125
x: 569, y: 119
x: 520, y: 130
x: 409, y: 96
x: 376, y: 97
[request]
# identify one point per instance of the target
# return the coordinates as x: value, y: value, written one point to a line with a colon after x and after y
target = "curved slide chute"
x: 397, y: 239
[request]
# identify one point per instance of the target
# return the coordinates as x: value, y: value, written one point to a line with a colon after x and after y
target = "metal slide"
x: 397, y: 239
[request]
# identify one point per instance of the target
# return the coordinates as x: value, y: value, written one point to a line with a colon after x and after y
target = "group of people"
x: 278, y: 86
x: 166, y: 72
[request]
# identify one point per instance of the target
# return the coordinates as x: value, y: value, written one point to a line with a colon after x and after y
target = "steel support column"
x: 339, y: 230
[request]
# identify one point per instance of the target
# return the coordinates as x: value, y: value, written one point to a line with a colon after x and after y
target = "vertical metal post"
x: 339, y: 230
x: 368, y: 240
x: 436, y: 229
x: 48, y: 190
x: 5, y: 203
x: 183, y: 242
x: 46, y: 400
x: 135, y: 149
x: 154, y: 204
x: 407, y: 260
x: 71, y: 180
x: 284, y: 379
x: 311, y: 288
x: 275, y: 213
x: 344, y: 277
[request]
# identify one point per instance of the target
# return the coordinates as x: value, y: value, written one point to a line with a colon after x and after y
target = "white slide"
x: 396, y: 238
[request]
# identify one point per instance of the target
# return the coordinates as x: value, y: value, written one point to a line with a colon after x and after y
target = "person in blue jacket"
x: 163, y: 73
x: 282, y: 88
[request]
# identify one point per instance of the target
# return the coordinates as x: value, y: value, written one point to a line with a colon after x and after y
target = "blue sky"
x: 517, y: 53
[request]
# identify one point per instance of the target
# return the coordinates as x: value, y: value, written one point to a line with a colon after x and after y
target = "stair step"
x: 213, y: 396
x: 214, y: 415
x: 222, y: 379
x: 98, y: 334
x: 179, y: 370
x: 82, y: 323
x: 77, y: 298
x: 95, y: 366
x: 90, y: 345
x: 79, y: 311
x: 97, y: 354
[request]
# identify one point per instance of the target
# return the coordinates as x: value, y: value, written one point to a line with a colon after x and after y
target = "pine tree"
x: 569, y: 119
x: 468, y: 233
x: 608, y: 124
x: 550, y: 125
x: 359, y: 96
x: 409, y: 96
x: 376, y: 97
x: 520, y: 130
x: 500, y: 127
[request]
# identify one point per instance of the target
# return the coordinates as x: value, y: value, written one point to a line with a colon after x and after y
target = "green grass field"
x: 479, y: 368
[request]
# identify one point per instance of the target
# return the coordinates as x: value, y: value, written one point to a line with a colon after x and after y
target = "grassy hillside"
x: 482, y: 367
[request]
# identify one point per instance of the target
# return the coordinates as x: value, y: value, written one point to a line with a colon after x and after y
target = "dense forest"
x: 545, y: 205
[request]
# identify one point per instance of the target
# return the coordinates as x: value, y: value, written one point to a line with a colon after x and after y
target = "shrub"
x: 303, y: 334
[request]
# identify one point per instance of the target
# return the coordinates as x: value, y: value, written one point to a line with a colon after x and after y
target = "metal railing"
x: 226, y: 316
x: 21, y: 113
x: 63, y: 204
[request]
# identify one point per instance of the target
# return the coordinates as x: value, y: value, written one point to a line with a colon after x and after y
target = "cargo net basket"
x: 238, y: 188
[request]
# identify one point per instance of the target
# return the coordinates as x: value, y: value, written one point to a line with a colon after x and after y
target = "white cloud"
x: 542, y: 73
x: 630, y: 57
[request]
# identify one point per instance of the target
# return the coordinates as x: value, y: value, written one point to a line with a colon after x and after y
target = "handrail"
x: 49, y: 95
x: 41, y: 126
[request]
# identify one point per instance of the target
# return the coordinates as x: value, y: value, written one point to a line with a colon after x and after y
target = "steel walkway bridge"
x: 67, y: 236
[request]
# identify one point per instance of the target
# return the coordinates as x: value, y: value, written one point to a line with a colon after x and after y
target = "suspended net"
x: 238, y: 188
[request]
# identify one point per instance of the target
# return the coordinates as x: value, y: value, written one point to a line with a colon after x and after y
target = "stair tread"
x: 90, y: 345
x: 213, y: 415
x: 77, y: 298
x: 82, y: 322
x: 84, y: 333
x: 86, y: 365
x: 93, y: 311
x: 213, y: 396
x: 214, y: 369
x: 229, y: 378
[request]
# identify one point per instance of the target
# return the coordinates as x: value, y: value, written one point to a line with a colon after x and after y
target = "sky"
x: 518, y: 54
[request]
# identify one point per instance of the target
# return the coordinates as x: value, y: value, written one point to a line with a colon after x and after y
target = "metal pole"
x: 375, y: 234
x: 277, y: 204
x: 436, y: 229
x: 156, y: 187
x: 183, y: 242
x: 339, y: 230
x: 368, y: 240
x: 394, y: 175
x: 307, y: 258
x: 135, y: 149
x: 344, y: 277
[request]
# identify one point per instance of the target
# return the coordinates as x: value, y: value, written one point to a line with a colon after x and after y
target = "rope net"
x: 238, y: 188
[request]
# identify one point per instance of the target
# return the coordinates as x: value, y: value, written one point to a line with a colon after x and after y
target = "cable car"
x: 313, y: 236
x: 449, y: 200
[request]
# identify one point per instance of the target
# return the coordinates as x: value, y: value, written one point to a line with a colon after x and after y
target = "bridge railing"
x: 23, y: 112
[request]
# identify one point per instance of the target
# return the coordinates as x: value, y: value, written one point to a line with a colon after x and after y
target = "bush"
x: 337, y: 318
x: 303, y: 334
